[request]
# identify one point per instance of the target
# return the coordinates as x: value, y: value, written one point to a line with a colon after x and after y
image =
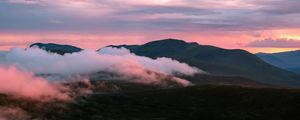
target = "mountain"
x: 286, y: 60
x: 218, y: 61
x: 198, y: 79
x: 57, y: 48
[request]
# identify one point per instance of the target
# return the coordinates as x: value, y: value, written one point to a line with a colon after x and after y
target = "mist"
x: 88, y: 61
x: 20, y: 67
x: 114, y: 60
x: 24, y: 84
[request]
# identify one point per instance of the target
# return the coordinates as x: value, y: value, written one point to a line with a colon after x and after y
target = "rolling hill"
x: 57, y: 48
x: 286, y: 60
x: 199, y: 79
x: 218, y: 61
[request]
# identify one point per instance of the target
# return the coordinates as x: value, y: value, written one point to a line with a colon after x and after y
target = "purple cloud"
x: 137, y: 15
x: 276, y: 43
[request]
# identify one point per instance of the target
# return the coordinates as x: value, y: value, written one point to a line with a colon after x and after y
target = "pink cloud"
x: 25, y: 84
x: 87, y: 41
x: 276, y: 43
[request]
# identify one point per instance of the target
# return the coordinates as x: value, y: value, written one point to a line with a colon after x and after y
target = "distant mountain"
x: 197, y: 79
x: 57, y: 48
x: 2, y: 53
x: 286, y: 60
x: 218, y: 61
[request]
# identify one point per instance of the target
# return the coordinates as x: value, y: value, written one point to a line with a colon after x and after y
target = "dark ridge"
x: 218, y: 61
x: 57, y: 48
x: 170, y: 41
x: 171, y: 44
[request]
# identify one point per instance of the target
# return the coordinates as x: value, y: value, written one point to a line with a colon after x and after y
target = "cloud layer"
x: 118, y: 15
x: 87, y: 61
x: 25, y: 84
x: 98, y: 22
x: 119, y: 61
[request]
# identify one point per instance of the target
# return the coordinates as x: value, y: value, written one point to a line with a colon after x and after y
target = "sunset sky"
x: 253, y: 25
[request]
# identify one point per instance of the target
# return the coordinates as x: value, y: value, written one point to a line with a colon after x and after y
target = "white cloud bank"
x: 25, y: 84
x: 108, y: 59
x: 18, y: 81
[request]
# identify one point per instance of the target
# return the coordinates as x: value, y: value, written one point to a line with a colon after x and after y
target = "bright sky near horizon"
x: 253, y: 25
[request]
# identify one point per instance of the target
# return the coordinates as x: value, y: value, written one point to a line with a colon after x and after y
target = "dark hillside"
x: 218, y: 61
x: 191, y: 103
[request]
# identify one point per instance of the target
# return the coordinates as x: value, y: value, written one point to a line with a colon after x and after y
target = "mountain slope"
x: 218, y: 61
x: 57, y: 48
x: 286, y: 60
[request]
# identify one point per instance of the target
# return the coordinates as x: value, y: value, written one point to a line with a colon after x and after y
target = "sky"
x: 253, y: 25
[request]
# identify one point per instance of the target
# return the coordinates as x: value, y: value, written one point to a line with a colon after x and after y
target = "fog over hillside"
x: 21, y: 65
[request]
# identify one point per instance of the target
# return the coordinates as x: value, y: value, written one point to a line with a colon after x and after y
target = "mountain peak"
x: 172, y: 40
x: 57, y: 48
x: 217, y: 61
x: 168, y: 41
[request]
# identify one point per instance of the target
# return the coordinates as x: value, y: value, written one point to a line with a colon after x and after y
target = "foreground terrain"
x: 191, y: 103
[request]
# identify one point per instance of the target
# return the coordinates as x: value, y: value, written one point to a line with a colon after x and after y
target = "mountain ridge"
x: 57, y: 48
x: 287, y: 60
x: 217, y: 61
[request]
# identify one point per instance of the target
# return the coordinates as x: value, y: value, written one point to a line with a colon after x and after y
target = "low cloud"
x: 24, y: 84
x: 19, y: 67
x: 88, y: 61
x: 276, y: 43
